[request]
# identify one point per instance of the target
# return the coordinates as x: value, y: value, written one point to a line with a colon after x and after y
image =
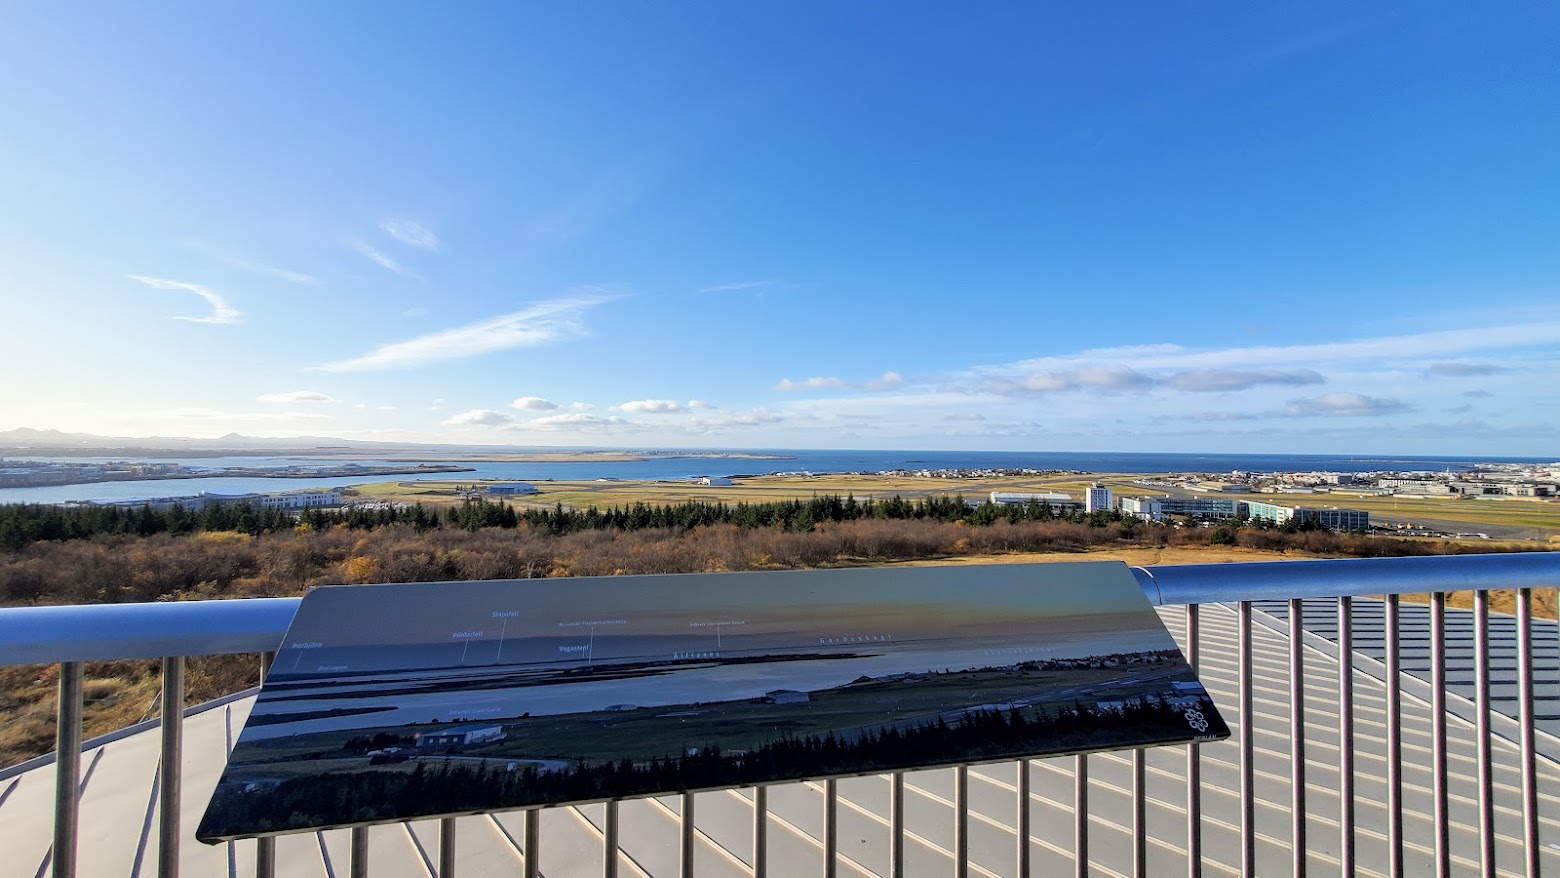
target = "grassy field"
x: 1502, y: 519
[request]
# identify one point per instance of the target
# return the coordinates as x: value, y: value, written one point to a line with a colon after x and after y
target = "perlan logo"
x: 1196, y: 720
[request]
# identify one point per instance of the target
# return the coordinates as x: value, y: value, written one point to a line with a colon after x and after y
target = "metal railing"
x: 69, y: 636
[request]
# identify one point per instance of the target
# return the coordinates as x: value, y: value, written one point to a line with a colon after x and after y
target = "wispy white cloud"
x: 809, y: 383
x: 539, y: 324
x: 534, y: 404
x: 738, y: 285
x: 577, y: 422
x: 479, y: 418
x: 384, y: 261
x: 297, y: 277
x: 1459, y: 370
x: 221, y: 311
x: 297, y: 396
x: 888, y: 381
x: 412, y: 234
x: 1228, y: 380
x: 1343, y: 405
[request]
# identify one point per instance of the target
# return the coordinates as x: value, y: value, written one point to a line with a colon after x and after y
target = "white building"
x: 1097, y: 499
x: 504, y: 488
x: 716, y: 481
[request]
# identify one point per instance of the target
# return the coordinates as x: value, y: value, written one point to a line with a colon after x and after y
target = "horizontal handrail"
x: 96, y: 632
x: 1170, y: 584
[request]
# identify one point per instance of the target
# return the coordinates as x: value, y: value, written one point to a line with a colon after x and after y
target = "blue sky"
x: 1024, y: 226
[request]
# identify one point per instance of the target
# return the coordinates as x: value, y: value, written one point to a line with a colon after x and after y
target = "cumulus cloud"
x: 1343, y: 405
x: 297, y: 396
x: 652, y: 406
x: 539, y: 324
x: 479, y: 418
x: 534, y: 404
x: 1458, y: 370
x: 1216, y: 380
x: 221, y: 311
x: 411, y: 234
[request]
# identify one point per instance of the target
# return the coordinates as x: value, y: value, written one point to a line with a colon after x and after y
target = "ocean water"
x: 667, y: 467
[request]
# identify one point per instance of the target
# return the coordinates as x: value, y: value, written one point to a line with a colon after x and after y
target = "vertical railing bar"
x: 1394, y: 673
x: 171, y: 765
x: 265, y: 848
x: 1021, y: 821
x: 1438, y: 788
x: 1139, y: 813
x: 961, y: 821
x: 1346, y: 736
x: 1248, y: 815
x: 67, y: 769
x: 531, y: 830
x: 831, y: 826
x: 358, y: 852
x: 1193, y: 762
x: 685, y: 854
x: 760, y: 831
x: 1081, y: 815
x: 1481, y: 651
x: 896, y: 825
x: 1530, y: 840
x: 609, y: 841
x: 447, y: 847
x: 1297, y: 815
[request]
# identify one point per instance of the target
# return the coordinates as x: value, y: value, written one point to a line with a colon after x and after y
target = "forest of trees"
x: 54, y: 554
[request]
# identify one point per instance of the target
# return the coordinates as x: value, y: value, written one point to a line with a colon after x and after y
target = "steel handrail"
x: 96, y: 632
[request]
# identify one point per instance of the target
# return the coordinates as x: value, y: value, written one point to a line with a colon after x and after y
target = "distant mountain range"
x: 57, y: 443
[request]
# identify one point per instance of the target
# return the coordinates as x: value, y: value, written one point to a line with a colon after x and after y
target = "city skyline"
x: 1236, y: 230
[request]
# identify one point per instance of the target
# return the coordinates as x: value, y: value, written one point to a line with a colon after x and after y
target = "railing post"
x: 171, y: 767
x: 447, y: 847
x: 1486, y: 777
x: 1530, y: 839
x: 685, y: 856
x: 358, y: 852
x: 67, y: 769
x: 609, y: 841
x: 831, y: 816
x: 1248, y: 803
x: 1021, y: 820
x: 961, y: 822
x: 1081, y: 815
x: 896, y: 825
x: 1297, y: 864
x: 1193, y: 762
x: 1139, y: 813
x: 531, y: 830
x: 1346, y: 736
x: 1394, y: 673
x: 265, y: 848
x: 760, y: 831
x: 1443, y: 829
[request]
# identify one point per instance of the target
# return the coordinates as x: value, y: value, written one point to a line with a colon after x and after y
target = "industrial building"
x: 1057, y: 502
x: 1330, y: 518
x: 508, y: 488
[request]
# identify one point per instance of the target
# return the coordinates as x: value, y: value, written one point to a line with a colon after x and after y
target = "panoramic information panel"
x: 396, y: 702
